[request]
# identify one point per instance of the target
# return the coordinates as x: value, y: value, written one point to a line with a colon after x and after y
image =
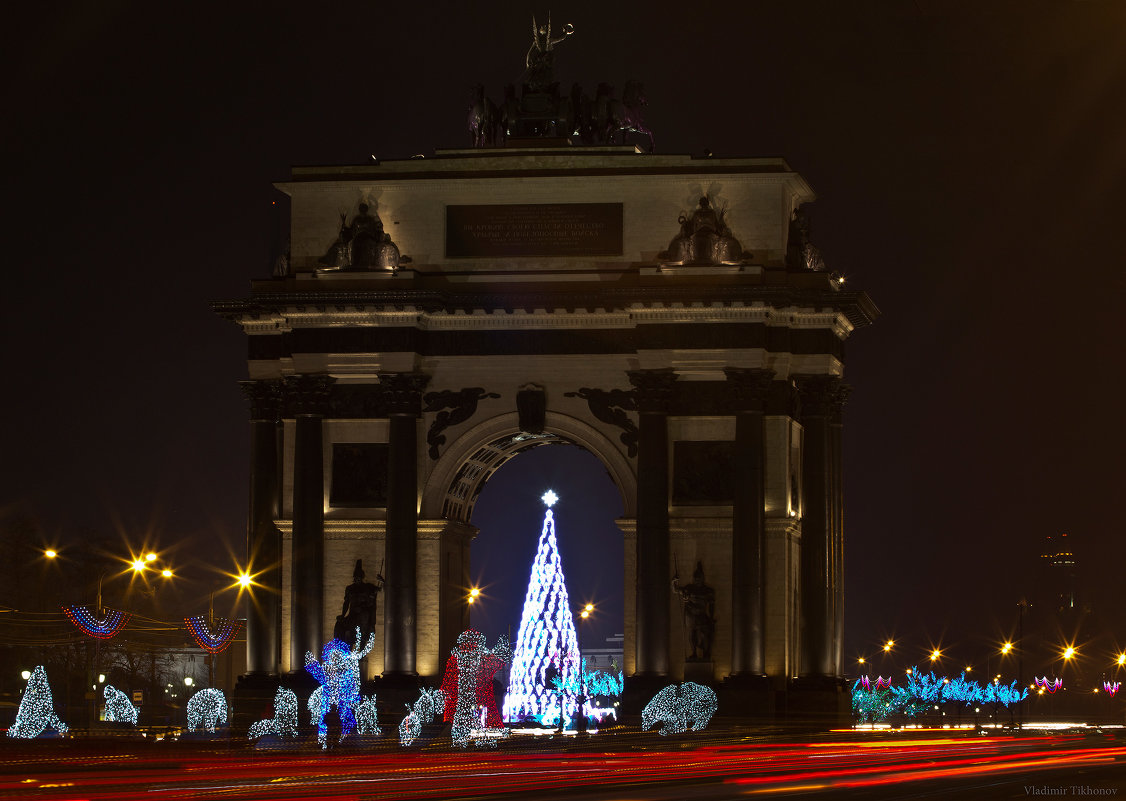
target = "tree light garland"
x: 1111, y: 687
x: 429, y: 704
x: 119, y: 709
x: 214, y: 636
x: 284, y: 721
x: 208, y: 706
x: 103, y: 628
x: 37, y: 709
x: 680, y: 708
x: 546, y: 638
x: 873, y: 701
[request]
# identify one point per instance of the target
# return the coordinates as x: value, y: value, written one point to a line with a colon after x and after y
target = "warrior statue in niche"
x: 698, y: 600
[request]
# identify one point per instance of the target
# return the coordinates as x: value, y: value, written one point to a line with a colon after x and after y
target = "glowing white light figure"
x: 284, y: 721
x: 207, y: 707
x: 680, y: 708
x: 119, y: 709
x: 546, y: 645
x: 37, y: 709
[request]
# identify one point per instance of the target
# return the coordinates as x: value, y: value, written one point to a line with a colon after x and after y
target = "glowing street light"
x: 474, y: 594
x: 1069, y: 652
x: 936, y: 654
x: 1121, y: 660
x: 50, y: 553
x: 888, y: 646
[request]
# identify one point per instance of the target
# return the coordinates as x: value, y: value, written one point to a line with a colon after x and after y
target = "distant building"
x: 1059, y: 569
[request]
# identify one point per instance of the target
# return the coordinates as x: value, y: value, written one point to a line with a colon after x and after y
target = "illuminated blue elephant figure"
x: 338, y: 673
x: 678, y: 706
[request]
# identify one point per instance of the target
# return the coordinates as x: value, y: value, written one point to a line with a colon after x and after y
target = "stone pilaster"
x: 750, y: 389
x: 821, y: 592
x: 307, y: 397
x: 263, y: 540
x: 653, y: 390
x: 402, y: 394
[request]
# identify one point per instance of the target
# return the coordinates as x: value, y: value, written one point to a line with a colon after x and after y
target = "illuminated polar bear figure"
x: 284, y: 721
x: 119, y: 709
x: 207, y: 706
x: 676, y: 706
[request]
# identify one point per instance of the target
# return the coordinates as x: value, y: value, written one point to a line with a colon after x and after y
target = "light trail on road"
x: 64, y: 771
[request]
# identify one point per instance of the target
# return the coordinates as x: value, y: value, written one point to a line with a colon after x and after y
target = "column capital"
x: 402, y: 392
x: 265, y: 398
x: 749, y: 387
x: 821, y: 395
x: 307, y: 395
x: 653, y: 388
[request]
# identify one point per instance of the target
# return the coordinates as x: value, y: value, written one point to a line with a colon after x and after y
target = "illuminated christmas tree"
x: 546, y: 647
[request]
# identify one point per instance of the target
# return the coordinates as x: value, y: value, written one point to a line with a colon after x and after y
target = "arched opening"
x: 509, y: 515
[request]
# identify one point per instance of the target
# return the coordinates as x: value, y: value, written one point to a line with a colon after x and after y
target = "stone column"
x: 308, y: 397
x: 749, y: 388
x: 654, y: 392
x: 263, y: 540
x: 402, y: 394
x: 818, y: 571
x: 836, y: 473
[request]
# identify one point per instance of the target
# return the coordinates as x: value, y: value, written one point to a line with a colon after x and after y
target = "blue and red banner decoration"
x: 105, y: 628
x: 214, y: 636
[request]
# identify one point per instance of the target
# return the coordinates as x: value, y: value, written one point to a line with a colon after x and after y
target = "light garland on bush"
x: 680, y: 708
x: 284, y: 721
x: 208, y: 706
x: 36, y: 713
x: 872, y: 702
x: 103, y: 628
x: 119, y: 709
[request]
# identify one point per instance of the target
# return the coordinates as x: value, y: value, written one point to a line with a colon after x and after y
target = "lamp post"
x: 580, y: 724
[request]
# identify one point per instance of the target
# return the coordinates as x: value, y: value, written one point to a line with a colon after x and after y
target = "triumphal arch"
x: 437, y: 316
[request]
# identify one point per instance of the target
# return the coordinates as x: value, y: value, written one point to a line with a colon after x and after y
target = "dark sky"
x: 970, y: 162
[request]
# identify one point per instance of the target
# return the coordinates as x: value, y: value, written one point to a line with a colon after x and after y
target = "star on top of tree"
x: 549, y: 498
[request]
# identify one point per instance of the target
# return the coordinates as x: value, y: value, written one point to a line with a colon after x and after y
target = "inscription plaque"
x: 541, y: 229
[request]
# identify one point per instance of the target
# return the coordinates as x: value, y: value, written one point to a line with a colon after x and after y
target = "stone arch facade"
x: 549, y: 296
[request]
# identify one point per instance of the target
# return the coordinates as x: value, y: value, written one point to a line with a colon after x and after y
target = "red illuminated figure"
x: 468, y: 684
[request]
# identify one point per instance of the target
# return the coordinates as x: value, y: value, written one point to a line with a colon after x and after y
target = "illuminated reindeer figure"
x: 429, y: 704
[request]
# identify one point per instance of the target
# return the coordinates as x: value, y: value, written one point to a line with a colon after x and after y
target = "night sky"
x: 970, y: 163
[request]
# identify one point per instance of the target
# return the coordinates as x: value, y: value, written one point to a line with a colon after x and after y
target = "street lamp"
x: 580, y: 724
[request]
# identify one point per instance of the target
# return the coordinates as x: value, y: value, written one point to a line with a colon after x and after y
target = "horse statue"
x: 620, y: 116
x: 483, y: 118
